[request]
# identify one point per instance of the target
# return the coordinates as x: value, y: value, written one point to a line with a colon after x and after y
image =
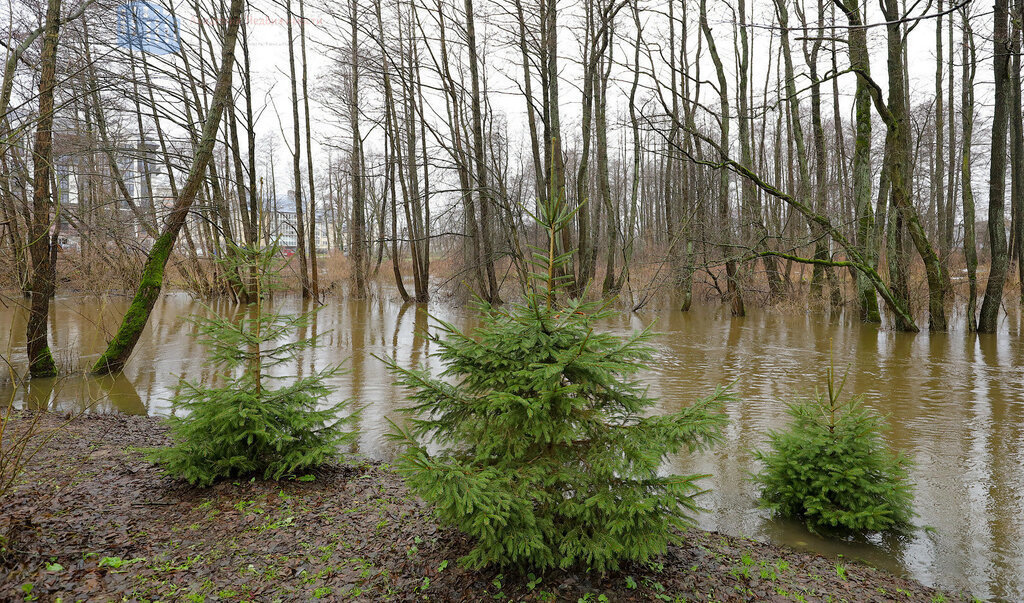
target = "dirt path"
x: 93, y: 521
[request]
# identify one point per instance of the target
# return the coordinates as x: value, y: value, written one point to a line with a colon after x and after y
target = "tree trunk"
x: 733, y: 292
x: 314, y: 275
x: 797, y: 137
x: 481, y: 169
x: 300, y: 221
x: 989, y: 316
x: 40, y: 360
x: 1017, y: 152
x: 901, y: 166
x: 939, y: 168
x: 865, y: 240
x: 120, y: 347
x: 358, y: 246
x: 970, y: 67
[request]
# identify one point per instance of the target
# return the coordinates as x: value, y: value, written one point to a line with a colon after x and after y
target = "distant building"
x: 281, y: 224
x: 88, y: 183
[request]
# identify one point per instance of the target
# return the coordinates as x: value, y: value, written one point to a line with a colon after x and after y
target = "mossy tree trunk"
x: 40, y: 361
x: 120, y: 347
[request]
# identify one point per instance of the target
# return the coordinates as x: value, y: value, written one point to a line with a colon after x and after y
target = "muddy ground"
x: 92, y: 521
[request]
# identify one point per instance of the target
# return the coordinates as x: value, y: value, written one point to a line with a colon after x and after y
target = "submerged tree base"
x: 114, y: 528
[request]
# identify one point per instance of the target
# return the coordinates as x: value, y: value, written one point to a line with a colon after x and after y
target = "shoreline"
x: 91, y: 520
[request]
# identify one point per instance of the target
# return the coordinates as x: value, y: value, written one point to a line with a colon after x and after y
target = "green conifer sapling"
x: 543, y: 447
x: 250, y: 425
x: 832, y: 469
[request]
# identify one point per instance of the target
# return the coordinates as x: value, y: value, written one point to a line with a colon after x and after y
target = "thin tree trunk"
x: 938, y: 173
x: 481, y: 169
x: 733, y: 293
x: 865, y: 239
x: 970, y: 66
x: 358, y: 246
x: 300, y: 222
x: 314, y: 274
x: 797, y: 134
x: 604, y: 180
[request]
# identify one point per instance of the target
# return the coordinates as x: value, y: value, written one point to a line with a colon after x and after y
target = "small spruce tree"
x: 832, y: 469
x: 247, y: 426
x: 545, y: 452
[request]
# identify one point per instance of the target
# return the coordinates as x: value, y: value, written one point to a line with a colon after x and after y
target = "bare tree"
x: 40, y: 360
x: 120, y: 347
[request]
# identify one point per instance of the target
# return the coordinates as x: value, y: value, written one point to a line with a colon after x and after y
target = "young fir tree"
x: 832, y: 469
x: 250, y: 425
x: 546, y: 455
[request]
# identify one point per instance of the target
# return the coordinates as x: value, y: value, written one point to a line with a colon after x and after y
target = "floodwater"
x: 955, y: 401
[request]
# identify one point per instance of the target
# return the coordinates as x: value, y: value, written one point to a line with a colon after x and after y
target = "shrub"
x: 540, y: 445
x: 247, y: 426
x: 23, y: 435
x: 832, y: 469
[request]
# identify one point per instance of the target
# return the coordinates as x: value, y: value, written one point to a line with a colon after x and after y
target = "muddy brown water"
x: 955, y: 401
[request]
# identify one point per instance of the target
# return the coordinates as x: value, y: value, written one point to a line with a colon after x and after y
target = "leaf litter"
x: 92, y: 521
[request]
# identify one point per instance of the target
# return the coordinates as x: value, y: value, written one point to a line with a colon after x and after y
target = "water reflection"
x: 80, y: 393
x: 115, y: 390
x: 39, y: 393
x: 954, y: 402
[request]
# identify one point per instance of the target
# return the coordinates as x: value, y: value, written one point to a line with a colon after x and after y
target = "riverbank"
x: 91, y: 520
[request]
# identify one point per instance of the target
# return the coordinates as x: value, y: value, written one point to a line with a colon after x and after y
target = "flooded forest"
x: 781, y: 199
